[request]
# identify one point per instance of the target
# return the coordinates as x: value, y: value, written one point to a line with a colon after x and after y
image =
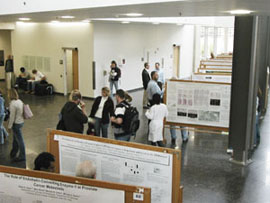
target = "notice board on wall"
x: 120, y: 162
x: 198, y: 104
x: 26, y: 186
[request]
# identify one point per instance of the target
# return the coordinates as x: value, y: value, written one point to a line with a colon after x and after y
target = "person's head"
x: 10, y: 57
x: 45, y: 162
x: 75, y: 96
x: 86, y: 169
x: 128, y: 98
x: 22, y: 69
x: 156, y: 99
x: 34, y: 71
x: 120, y: 95
x: 154, y: 75
x: 113, y: 64
x: 157, y: 65
x: 13, y: 94
x: 105, y: 92
x: 146, y: 65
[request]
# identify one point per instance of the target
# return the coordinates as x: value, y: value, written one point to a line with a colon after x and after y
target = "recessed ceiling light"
x: 86, y: 21
x: 55, y: 21
x: 134, y: 14
x: 67, y: 17
x: 25, y: 19
x: 125, y: 22
x: 239, y: 12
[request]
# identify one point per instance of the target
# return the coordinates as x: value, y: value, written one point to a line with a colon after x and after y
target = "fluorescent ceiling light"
x: 25, y: 19
x: 239, y: 12
x: 67, y: 17
x: 125, y: 22
x: 134, y: 14
x: 55, y: 21
x: 86, y: 21
x: 156, y: 23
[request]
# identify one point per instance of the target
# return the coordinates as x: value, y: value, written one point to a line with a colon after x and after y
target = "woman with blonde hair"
x: 16, y: 122
x: 74, y: 113
x: 101, y: 112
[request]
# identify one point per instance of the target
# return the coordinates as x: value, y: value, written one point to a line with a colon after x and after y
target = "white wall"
x: 5, y: 44
x: 47, y: 40
x: 131, y: 42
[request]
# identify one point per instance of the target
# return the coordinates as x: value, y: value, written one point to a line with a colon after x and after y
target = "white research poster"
x: 198, y: 103
x: 120, y: 164
x: 24, y: 189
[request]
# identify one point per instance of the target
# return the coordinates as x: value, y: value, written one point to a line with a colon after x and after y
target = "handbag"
x: 27, y: 113
x: 7, y: 114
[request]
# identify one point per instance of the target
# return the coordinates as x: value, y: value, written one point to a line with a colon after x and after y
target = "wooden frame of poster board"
x: 128, y: 189
x: 193, y: 125
x: 53, y: 147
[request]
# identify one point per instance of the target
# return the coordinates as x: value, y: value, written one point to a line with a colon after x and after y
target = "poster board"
x: 27, y: 186
x: 198, y: 104
x: 118, y: 161
x: 212, y: 78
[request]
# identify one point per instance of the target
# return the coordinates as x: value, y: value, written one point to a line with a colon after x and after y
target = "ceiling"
x: 184, y: 8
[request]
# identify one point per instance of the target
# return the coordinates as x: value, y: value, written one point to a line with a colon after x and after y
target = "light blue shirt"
x: 2, y: 106
x: 153, y: 88
x: 160, y: 75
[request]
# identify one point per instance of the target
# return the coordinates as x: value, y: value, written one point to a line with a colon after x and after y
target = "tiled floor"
x: 207, y: 175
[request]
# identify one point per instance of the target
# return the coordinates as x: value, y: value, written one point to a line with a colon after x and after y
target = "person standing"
x: 73, y: 113
x: 114, y: 75
x: 9, y: 68
x: 16, y: 122
x: 3, y: 132
x: 184, y: 134
x: 153, y: 87
x: 119, y: 115
x: 145, y: 79
x: 156, y: 115
x: 101, y: 112
x: 161, y: 79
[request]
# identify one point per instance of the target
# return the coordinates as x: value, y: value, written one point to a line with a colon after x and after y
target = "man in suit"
x: 145, y: 79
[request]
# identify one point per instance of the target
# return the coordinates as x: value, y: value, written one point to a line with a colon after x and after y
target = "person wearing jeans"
x: 114, y: 75
x: 184, y: 134
x: 16, y: 122
x: 101, y: 112
x: 3, y: 132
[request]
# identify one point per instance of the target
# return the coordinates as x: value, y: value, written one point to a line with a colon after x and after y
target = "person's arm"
x: 119, y: 115
x: 149, y: 114
x: 12, y: 110
x: 80, y: 114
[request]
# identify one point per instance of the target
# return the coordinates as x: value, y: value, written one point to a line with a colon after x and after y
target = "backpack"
x: 131, y: 122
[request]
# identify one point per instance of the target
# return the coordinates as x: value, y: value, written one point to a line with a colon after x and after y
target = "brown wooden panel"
x: 75, y: 68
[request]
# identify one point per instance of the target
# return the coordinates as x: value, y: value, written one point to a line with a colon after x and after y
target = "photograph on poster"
x: 119, y: 164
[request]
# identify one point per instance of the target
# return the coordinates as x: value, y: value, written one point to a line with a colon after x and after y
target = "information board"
x: 212, y: 78
x: 198, y: 103
x: 120, y: 162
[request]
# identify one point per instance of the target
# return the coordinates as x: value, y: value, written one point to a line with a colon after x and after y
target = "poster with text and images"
x: 198, y: 103
x: 120, y: 164
x: 24, y: 189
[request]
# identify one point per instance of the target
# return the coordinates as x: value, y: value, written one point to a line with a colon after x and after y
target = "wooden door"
x: 75, y: 68
x: 176, y: 61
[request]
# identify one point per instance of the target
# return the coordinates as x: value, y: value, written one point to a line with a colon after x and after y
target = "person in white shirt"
x: 16, y: 122
x: 156, y: 114
x: 101, y: 112
x: 161, y: 79
x: 36, y: 79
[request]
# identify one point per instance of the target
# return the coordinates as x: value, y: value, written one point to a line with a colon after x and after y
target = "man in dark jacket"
x: 145, y: 79
x: 74, y: 114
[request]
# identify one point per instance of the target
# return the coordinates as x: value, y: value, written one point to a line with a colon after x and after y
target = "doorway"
x: 176, y: 61
x: 71, y: 70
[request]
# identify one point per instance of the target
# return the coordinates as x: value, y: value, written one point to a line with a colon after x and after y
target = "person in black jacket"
x: 114, y: 76
x: 145, y: 78
x: 73, y: 113
x: 101, y: 112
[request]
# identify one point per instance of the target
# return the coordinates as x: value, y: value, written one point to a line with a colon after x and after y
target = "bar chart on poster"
x: 198, y: 103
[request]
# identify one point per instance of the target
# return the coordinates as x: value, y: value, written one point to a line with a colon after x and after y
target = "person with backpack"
x: 156, y: 114
x: 125, y: 120
x: 114, y: 75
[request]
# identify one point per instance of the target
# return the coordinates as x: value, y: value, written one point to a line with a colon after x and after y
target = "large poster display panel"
x: 198, y: 103
x: 16, y: 188
x: 120, y: 164
x: 212, y: 78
